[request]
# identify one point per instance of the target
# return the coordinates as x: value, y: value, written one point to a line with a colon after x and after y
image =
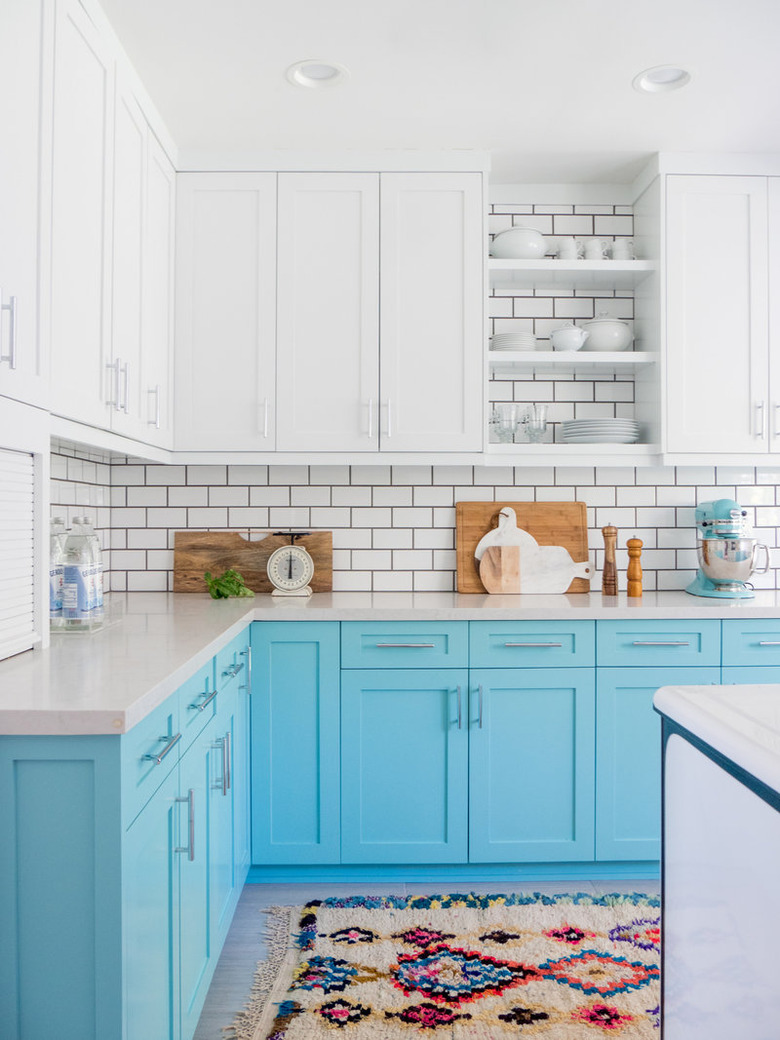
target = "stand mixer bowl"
x: 727, y: 561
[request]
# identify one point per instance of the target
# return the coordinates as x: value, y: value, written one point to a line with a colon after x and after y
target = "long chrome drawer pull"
x: 410, y: 646
x: 189, y: 848
x: 171, y: 743
x: 669, y: 642
x: 233, y: 670
x: 479, y: 689
x: 460, y: 717
x: 204, y: 704
x: 222, y: 783
x: 533, y: 644
x: 769, y: 642
x: 228, y: 757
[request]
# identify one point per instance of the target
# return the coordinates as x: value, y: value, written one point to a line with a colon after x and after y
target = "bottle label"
x: 55, y: 589
x: 76, y: 601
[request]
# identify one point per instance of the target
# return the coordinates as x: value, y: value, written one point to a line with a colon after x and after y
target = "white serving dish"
x: 519, y: 243
x: 607, y: 334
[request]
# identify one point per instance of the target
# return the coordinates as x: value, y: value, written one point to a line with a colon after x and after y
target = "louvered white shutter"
x: 17, y: 557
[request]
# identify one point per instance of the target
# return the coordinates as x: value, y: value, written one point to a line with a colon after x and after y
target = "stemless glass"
x: 503, y: 423
x: 535, y: 422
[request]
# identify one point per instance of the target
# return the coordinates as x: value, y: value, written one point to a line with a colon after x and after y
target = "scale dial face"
x: 290, y: 568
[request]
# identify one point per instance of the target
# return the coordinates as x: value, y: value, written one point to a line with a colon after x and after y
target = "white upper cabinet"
x: 380, y: 325
x: 22, y: 363
x: 225, y: 311
x: 721, y: 394
x: 328, y: 312
x: 82, y: 157
x: 431, y: 325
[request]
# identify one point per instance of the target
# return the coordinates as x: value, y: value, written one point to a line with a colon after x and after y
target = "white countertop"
x: 741, y: 722
x: 107, y: 681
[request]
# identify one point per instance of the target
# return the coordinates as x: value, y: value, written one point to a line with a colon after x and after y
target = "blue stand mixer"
x: 727, y: 554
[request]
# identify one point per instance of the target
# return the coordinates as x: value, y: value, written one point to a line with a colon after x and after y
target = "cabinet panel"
x: 751, y: 642
x: 404, y: 766
x: 399, y: 644
x: 295, y: 742
x: 717, y: 314
x: 682, y: 643
x: 149, y: 751
x: 432, y: 328
x: 225, y: 311
x: 531, y: 644
x: 531, y: 765
x: 81, y: 214
x: 628, y: 758
x: 328, y: 316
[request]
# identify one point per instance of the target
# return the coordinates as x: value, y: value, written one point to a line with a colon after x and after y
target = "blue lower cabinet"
x: 404, y: 766
x: 531, y: 765
x: 295, y: 742
x: 628, y: 758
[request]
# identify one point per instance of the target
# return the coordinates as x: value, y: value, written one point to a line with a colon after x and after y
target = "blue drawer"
x: 751, y: 642
x: 233, y: 660
x: 639, y: 643
x: 404, y: 644
x: 531, y: 644
x: 149, y: 751
x: 197, y: 703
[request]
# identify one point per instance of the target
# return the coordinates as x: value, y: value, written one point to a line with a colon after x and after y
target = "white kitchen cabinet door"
x: 129, y: 201
x: 81, y: 218
x: 22, y: 366
x: 156, y: 383
x: 328, y: 312
x: 717, y: 346
x: 773, y: 421
x: 431, y: 329
x: 225, y: 311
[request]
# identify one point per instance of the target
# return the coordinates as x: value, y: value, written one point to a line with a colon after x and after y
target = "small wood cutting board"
x: 217, y: 551
x: 550, y: 523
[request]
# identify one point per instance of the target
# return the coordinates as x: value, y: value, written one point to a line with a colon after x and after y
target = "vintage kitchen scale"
x: 727, y: 554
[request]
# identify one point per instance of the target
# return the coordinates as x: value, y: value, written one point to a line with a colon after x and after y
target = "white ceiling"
x: 543, y: 85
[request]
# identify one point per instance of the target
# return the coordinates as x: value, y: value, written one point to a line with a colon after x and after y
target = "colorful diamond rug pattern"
x: 459, y: 967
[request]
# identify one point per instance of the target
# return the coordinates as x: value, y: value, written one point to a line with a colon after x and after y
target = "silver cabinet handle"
x: 534, y: 644
x: 371, y: 418
x: 221, y: 784
x: 156, y: 420
x: 760, y: 419
x: 209, y: 697
x: 10, y: 357
x: 189, y: 848
x: 776, y: 430
x: 769, y: 642
x: 170, y: 744
x: 479, y: 706
x: 248, y: 655
x: 265, y: 417
x: 233, y: 670
x: 113, y: 367
x: 408, y: 646
x: 389, y: 417
x: 125, y: 388
x: 228, y: 759
x: 460, y: 716
x: 667, y: 642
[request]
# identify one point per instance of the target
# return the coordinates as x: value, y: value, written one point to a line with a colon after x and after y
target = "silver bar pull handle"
x: 10, y: 357
x: 534, y: 644
x: 209, y: 697
x: 170, y: 744
x: 460, y: 716
x: 189, y: 848
x: 769, y: 642
x: 776, y: 430
x: 265, y: 417
x: 233, y: 670
x: 408, y: 646
x: 156, y: 420
x: 125, y: 388
x: 371, y: 418
x: 479, y: 705
x: 389, y: 417
x: 661, y: 642
x: 248, y: 655
x: 760, y: 419
x: 221, y: 784
x: 113, y: 367
x: 228, y: 759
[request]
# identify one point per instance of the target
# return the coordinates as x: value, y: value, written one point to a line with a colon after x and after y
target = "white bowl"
x: 569, y: 337
x: 519, y: 243
x: 607, y: 334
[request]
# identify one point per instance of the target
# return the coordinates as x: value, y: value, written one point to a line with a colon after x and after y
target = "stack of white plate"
x: 513, y: 341
x: 600, y: 431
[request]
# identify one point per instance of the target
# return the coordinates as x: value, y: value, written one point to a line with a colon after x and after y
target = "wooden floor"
x: 245, y: 947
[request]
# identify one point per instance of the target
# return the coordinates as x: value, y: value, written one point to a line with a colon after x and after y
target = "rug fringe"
x: 278, y: 929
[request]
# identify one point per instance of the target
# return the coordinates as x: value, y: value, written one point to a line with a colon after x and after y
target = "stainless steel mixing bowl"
x: 731, y: 559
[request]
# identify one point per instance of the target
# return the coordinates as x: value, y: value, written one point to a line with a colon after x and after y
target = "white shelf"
x: 572, y: 360
x: 522, y: 454
x: 572, y: 274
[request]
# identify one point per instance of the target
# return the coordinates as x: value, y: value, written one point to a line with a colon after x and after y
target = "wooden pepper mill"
x: 634, y: 571
x: 609, y: 574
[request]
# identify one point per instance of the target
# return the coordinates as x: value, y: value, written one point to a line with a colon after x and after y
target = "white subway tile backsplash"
x: 380, y: 517
x: 392, y: 496
x: 288, y: 518
x: 393, y: 538
x: 147, y: 496
x: 351, y: 496
x: 207, y: 475
x: 223, y: 496
x: 433, y: 496
x: 329, y: 475
x: 324, y: 517
x: 249, y: 476
x: 413, y: 475
x: 166, y: 475
x: 269, y: 496
x: 393, y: 581
x: 307, y: 495
x: 352, y: 538
x: 371, y: 475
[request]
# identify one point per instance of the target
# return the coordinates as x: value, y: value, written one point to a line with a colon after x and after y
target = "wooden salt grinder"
x: 634, y: 572
x: 609, y: 574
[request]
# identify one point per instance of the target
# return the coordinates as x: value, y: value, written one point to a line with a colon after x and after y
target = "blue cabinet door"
x: 531, y: 765
x: 240, y: 767
x: 628, y: 758
x: 151, y: 918
x: 222, y: 874
x: 404, y: 766
x: 295, y: 742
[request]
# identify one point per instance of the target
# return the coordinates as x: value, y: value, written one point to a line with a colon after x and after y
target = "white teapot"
x: 568, y: 337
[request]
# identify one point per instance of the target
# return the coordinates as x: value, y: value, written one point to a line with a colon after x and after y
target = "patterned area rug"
x: 465, y: 967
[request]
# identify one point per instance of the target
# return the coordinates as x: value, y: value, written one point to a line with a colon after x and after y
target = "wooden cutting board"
x: 550, y: 523
x: 217, y: 551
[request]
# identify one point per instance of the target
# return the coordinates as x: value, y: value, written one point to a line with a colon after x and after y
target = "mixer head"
x: 723, y: 518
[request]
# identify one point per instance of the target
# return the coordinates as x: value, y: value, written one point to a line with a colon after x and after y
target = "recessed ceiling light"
x: 313, y: 72
x: 661, y: 78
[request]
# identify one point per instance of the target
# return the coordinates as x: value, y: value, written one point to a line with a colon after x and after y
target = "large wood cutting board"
x: 550, y: 523
x: 217, y: 551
